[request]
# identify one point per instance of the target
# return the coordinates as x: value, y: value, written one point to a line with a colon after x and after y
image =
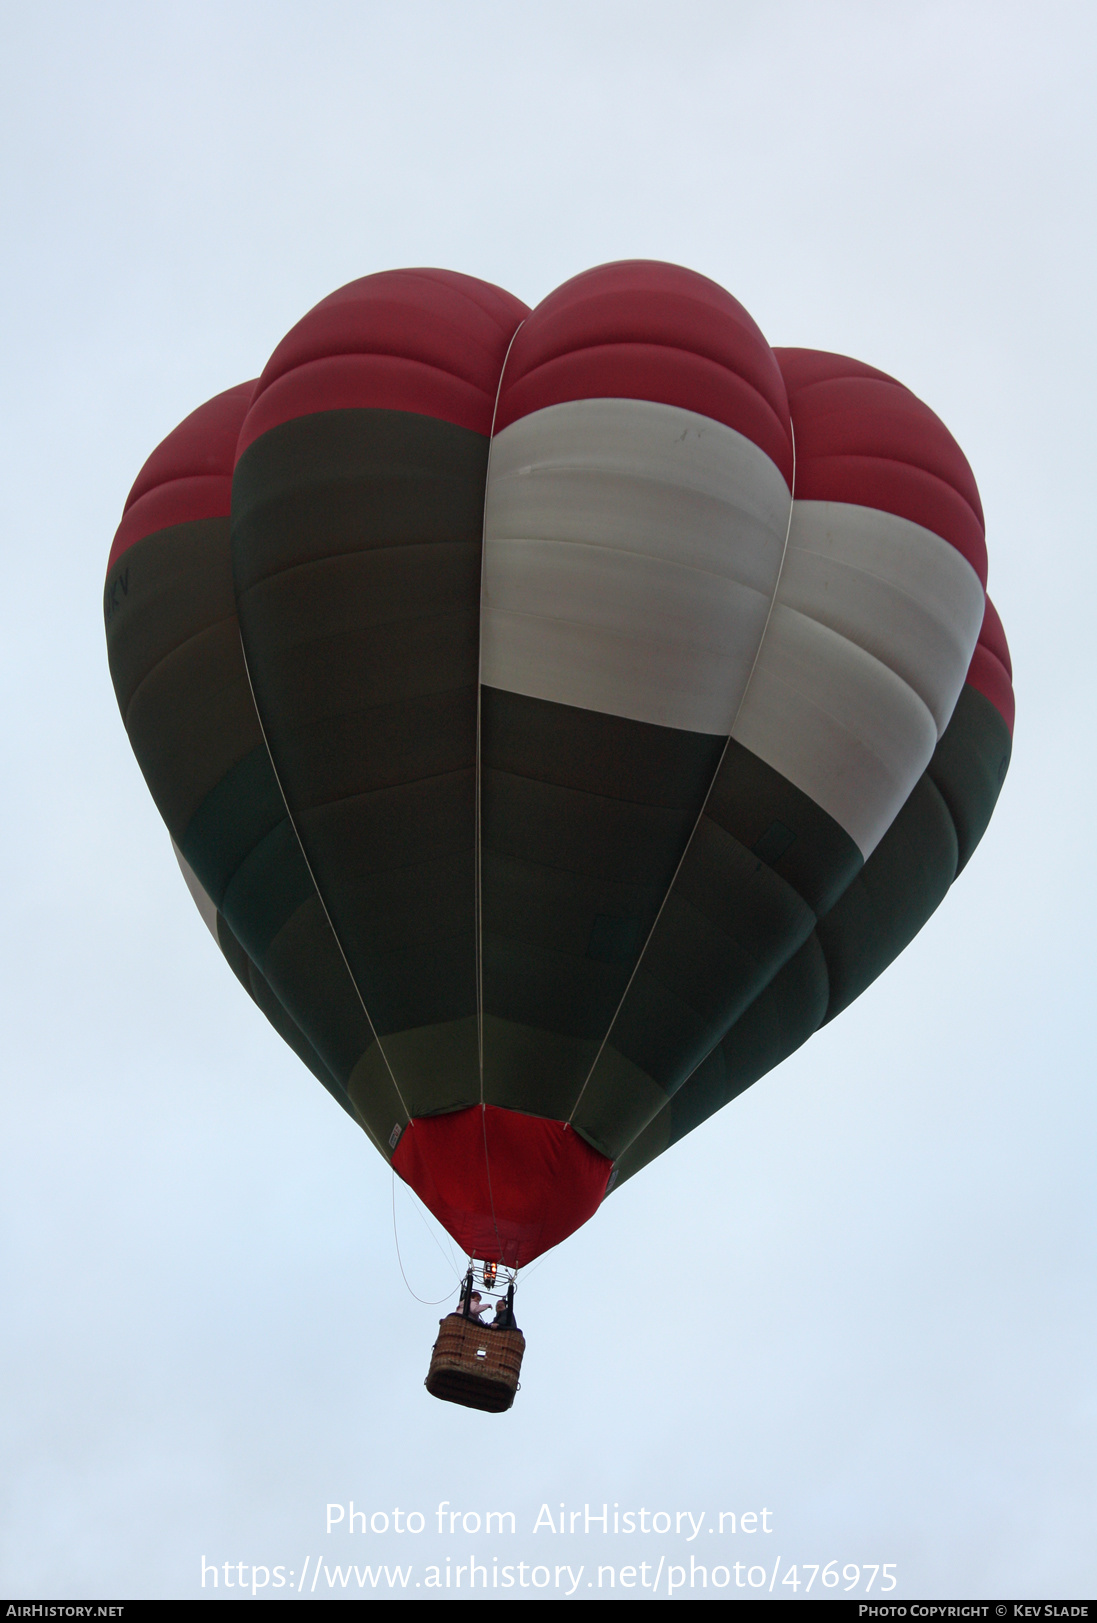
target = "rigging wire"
x: 447, y: 1256
x: 396, y: 1236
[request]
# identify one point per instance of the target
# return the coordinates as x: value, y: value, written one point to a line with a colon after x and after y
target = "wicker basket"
x: 474, y: 1365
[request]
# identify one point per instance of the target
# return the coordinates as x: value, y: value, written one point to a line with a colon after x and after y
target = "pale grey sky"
x: 862, y: 1296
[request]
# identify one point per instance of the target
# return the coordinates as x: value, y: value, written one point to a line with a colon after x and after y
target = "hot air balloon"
x: 559, y: 715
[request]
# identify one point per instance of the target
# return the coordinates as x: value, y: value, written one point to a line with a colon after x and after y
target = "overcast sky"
x: 860, y: 1298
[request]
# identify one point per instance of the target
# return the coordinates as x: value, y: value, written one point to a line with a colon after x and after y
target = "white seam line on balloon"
x: 319, y: 892
x: 479, y: 689
x: 708, y: 792
x: 479, y: 915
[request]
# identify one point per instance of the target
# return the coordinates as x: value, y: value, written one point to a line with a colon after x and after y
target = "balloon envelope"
x: 558, y: 715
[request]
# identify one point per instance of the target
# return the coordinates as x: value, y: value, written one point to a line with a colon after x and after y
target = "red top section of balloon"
x: 642, y: 331
x: 428, y: 341
x: 189, y: 475
x: 862, y: 437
